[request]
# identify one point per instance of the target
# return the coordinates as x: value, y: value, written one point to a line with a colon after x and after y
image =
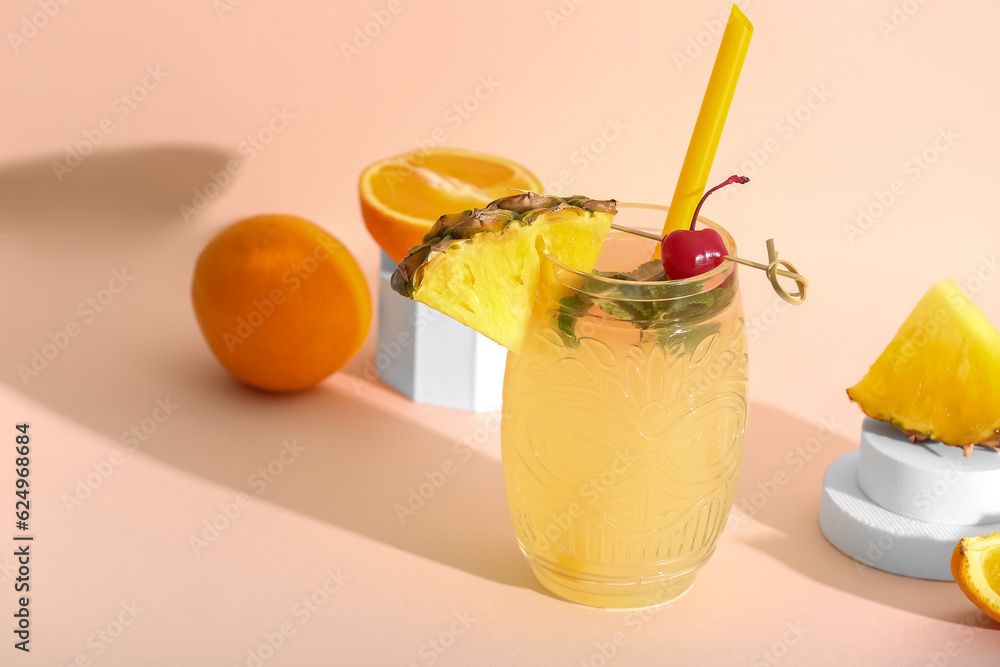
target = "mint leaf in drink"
x: 665, y: 321
x: 648, y: 272
x: 570, y: 308
x: 613, y: 275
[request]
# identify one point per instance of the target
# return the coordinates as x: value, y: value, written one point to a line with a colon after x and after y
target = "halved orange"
x: 975, y: 564
x: 402, y: 196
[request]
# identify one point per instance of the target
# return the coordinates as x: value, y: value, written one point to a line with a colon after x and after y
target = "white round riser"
x: 928, y: 481
x: 882, y: 539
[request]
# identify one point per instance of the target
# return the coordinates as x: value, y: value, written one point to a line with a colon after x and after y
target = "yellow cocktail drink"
x: 623, y: 427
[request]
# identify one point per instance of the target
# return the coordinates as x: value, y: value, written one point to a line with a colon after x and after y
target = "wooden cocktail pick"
x: 771, y: 268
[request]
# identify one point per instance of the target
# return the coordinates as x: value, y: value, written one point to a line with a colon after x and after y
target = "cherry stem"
x: 735, y: 178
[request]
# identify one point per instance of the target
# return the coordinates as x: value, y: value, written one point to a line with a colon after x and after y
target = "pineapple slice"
x: 481, y: 267
x: 940, y: 376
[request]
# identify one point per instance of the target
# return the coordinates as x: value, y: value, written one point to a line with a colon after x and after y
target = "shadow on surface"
x: 779, y: 442
x: 108, y: 191
x: 350, y: 464
x: 359, y: 461
x: 364, y: 469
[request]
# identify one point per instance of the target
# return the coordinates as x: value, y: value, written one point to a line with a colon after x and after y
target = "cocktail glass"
x: 623, y: 426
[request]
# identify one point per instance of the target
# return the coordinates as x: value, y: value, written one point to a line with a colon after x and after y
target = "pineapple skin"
x: 939, y: 378
x: 481, y: 266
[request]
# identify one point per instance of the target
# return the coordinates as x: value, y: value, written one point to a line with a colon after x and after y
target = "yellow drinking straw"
x: 711, y: 118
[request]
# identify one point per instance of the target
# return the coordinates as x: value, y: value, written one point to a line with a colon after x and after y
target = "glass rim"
x: 682, y: 286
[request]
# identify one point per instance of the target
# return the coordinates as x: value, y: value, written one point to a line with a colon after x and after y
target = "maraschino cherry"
x: 690, y: 252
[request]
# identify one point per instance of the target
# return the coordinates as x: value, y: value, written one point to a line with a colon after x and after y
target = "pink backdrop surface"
x: 869, y: 131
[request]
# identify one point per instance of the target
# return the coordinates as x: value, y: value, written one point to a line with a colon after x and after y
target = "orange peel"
x: 975, y: 564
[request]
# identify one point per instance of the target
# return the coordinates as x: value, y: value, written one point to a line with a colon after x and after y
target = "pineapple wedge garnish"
x: 481, y: 267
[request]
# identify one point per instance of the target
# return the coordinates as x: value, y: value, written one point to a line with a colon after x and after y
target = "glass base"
x: 630, y: 594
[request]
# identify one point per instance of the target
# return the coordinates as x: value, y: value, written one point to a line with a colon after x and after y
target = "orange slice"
x: 975, y: 564
x: 402, y: 196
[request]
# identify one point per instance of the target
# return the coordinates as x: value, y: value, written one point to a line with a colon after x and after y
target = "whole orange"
x: 280, y: 301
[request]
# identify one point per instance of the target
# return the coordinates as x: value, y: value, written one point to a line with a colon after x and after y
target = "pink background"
x: 775, y: 592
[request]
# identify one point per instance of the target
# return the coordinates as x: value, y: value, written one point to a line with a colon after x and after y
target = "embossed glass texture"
x: 623, y: 427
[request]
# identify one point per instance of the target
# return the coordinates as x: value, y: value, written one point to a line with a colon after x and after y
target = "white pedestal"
x: 902, y: 507
x: 432, y: 358
x: 928, y: 481
x: 883, y: 539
